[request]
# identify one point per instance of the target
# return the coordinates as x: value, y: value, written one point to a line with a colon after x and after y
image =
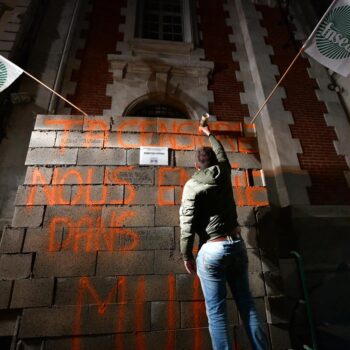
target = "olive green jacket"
x: 207, y: 206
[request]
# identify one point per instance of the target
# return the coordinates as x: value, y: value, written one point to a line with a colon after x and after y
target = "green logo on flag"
x: 3, y: 74
x: 333, y: 35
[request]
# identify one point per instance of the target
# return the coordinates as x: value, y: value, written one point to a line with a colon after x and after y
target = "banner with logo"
x: 331, y: 43
x: 9, y: 72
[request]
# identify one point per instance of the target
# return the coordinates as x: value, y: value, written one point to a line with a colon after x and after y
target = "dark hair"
x: 205, y: 157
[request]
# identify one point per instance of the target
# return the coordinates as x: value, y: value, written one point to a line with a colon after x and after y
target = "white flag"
x: 331, y: 43
x: 9, y: 72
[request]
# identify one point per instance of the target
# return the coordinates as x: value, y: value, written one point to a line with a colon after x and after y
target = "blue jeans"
x: 218, y: 263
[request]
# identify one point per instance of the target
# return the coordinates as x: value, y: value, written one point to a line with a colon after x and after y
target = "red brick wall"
x: 319, y: 157
x: 101, y: 40
x: 226, y: 88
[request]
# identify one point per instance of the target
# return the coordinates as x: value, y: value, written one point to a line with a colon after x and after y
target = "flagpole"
x: 56, y: 93
x: 292, y: 63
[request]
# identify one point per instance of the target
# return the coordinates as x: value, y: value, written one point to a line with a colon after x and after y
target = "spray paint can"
x: 204, y: 120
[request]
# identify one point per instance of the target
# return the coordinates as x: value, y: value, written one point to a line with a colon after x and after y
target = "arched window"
x: 157, y: 107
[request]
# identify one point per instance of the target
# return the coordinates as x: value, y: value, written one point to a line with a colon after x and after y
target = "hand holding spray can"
x: 204, y: 120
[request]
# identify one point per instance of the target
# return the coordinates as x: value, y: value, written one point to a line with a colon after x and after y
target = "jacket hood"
x: 211, y: 176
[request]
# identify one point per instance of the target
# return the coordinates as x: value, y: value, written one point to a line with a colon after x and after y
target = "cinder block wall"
x: 92, y: 257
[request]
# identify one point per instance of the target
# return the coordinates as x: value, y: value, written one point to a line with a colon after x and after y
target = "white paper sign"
x: 154, y: 155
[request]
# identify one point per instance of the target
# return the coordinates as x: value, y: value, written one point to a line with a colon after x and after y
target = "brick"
x: 5, y: 294
x: 168, y: 262
x: 43, y: 195
x: 161, y: 315
x: 249, y: 236
x: 49, y: 322
x: 42, y: 139
x: 101, y: 157
x: 97, y: 123
x: 48, y: 156
x: 68, y: 289
x: 246, y: 216
x: 167, y: 215
x: 32, y: 178
x: 15, y: 266
x: 131, y: 124
x: 29, y: 216
x: 131, y: 216
x: 154, y: 195
x: 38, y: 240
x: 77, y: 216
x: 130, y: 263
x: 185, y: 159
x: 64, y: 264
x: 79, y: 175
x: 244, y: 161
x: 155, y: 288
x: 129, y: 175
x: 32, y: 293
x: 97, y: 195
x: 11, y: 240
x: 59, y: 122
x: 79, y: 139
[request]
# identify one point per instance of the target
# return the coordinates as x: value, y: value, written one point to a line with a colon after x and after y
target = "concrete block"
x: 161, y: 316
x: 101, y: 157
x: 86, y: 343
x: 254, y: 260
x: 15, y: 266
x: 279, y: 335
x: 68, y: 289
x: 50, y: 156
x: 5, y: 293
x: 245, y: 216
x: 187, y: 288
x: 129, y: 176
x: 151, y: 238
x: 256, y: 284
x: 239, y: 178
x: 167, y: 215
x: 97, y: 195
x: 32, y: 293
x: 244, y: 161
x: 49, y: 322
x: 131, y: 124
x: 154, y: 288
x: 188, y: 338
x: 168, y: 262
x: 173, y: 176
x: 125, y: 263
x: 29, y: 216
x: 76, y: 216
x: 185, y: 159
x: 278, y: 309
x: 248, y: 145
x: 249, y: 236
x: 97, y: 123
x: 164, y: 195
x: 274, y: 283
x: 11, y: 240
x: 75, y: 139
x: 128, y: 216
x: 38, y: 176
x: 43, y: 195
x: 59, y: 122
x: 133, y: 156
x: 64, y: 264
x: 78, y: 175
x: 42, y: 139
x: 42, y: 240
x: 8, y: 322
